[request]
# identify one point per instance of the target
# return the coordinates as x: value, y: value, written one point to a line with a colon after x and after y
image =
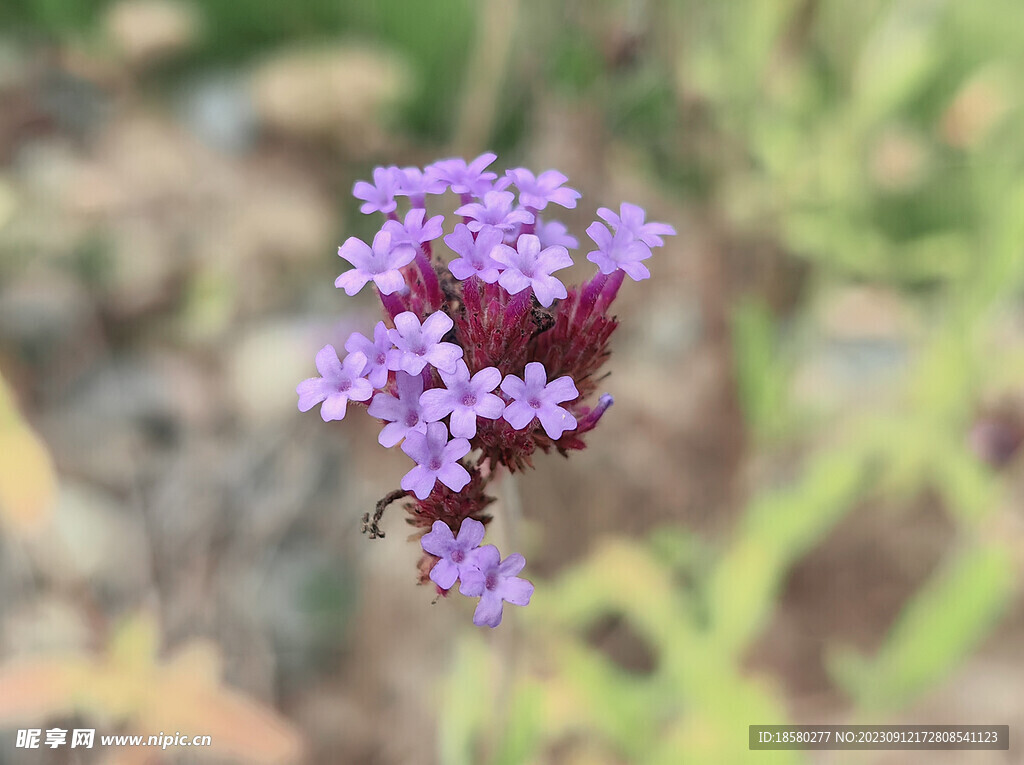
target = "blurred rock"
x: 145, y: 31
x: 95, y: 540
x: 218, y: 108
x: 335, y: 93
x: 265, y: 366
x: 49, y: 624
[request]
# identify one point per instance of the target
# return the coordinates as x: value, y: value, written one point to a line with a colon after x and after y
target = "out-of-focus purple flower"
x: 463, y: 178
x: 414, y: 231
x: 535, y: 193
x: 402, y: 413
x: 496, y: 211
x: 495, y: 582
x: 529, y: 266
x: 619, y: 251
x: 437, y: 459
x: 554, y: 233
x: 418, y: 345
x: 464, y: 398
x: 631, y: 218
x: 474, y: 254
x: 376, y: 352
x: 379, y: 196
x: 339, y: 383
x: 379, y: 264
x: 534, y: 397
x: 457, y: 554
x: 416, y: 184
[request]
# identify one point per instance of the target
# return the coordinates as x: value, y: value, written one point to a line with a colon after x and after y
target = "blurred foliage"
x: 28, y: 484
x: 430, y: 35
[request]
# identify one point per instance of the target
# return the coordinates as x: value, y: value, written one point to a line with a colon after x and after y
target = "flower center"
x: 469, y: 400
x: 381, y: 358
x: 478, y: 265
x: 491, y: 580
x: 344, y: 386
x: 412, y: 419
x: 527, y: 272
x: 458, y: 556
x: 534, y: 402
x: 434, y: 464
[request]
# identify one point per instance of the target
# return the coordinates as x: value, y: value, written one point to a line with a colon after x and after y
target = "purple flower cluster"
x: 482, y: 572
x: 484, y: 355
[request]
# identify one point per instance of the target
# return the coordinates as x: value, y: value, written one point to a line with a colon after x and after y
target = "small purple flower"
x: 631, y: 218
x: 474, y: 254
x: 339, y: 383
x: 464, y: 399
x: 495, y: 581
x: 463, y: 178
x: 437, y: 459
x: 535, y: 397
x: 379, y: 196
x: 402, y: 413
x: 416, y: 184
x: 415, y: 231
x: 529, y: 266
x: 418, y: 345
x: 379, y: 265
x: 554, y: 232
x: 496, y: 211
x: 457, y: 554
x: 618, y: 251
x: 376, y: 352
x: 535, y: 193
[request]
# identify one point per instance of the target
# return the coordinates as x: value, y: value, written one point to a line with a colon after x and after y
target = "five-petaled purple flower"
x: 379, y: 196
x: 618, y: 251
x: 464, y: 398
x: 376, y: 352
x: 402, y: 413
x: 417, y: 345
x: 535, y: 193
x: 437, y: 459
x: 464, y: 178
x: 496, y: 210
x: 529, y: 266
x: 631, y: 218
x: 457, y: 553
x: 474, y: 254
x: 414, y: 231
x: 495, y: 581
x: 379, y: 264
x: 339, y: 383
x: 535, y: 397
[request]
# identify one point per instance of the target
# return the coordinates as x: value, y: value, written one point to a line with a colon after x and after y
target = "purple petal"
x: 416, y: 446
x: 485, y: 380
x: 454, y: 476
x: 334, y: 408
x: 473, y: 582
x: 471, y: 533
x: 311, y: 392
x: 488, y: 610
x: 439, y: 540
x: 444, y: 573
x: 536, y: 377
x: 556, y: 421
x: 517, y: 591
x: 436, y: 326
x: 463, y: 422
x: 513, y: 281
x: 435, y: 404
x: 444, y: 356
x: 513, y: 386
x: 391, y: 434
x: 519, y: 414
x: 352, y: 281
x: 562, y: 389
x: 490, y: 406
x: 419, y: 481
x: 635, y: 270
x: 327, y: 362
x: 512, y: 565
